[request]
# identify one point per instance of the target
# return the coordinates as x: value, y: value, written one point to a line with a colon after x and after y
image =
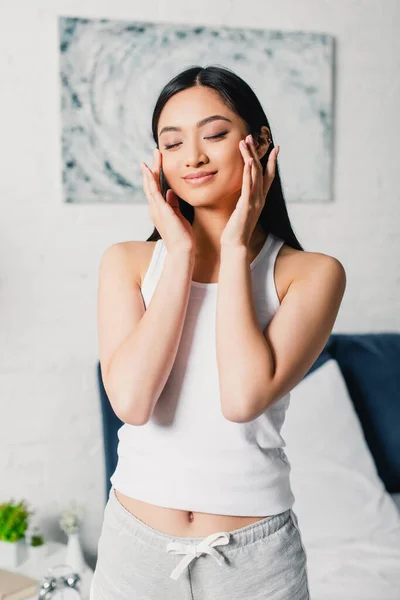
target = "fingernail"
x: 251, y: 138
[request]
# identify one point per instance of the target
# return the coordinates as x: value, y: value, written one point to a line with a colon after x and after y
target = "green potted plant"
x: 37, y: 540
x: 14, y: 519
x: 36, y: 543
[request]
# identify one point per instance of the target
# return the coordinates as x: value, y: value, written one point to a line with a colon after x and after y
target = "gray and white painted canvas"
x: 112, y: 72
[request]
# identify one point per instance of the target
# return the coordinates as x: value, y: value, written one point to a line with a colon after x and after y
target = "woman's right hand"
x: 174, y: 228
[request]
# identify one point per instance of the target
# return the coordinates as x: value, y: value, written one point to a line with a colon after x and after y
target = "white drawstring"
x: 195, y: 550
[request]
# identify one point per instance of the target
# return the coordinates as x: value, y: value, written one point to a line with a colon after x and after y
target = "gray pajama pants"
x: 263, y: 560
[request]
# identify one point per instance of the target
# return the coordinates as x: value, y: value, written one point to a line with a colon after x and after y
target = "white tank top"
x: 188, y: 455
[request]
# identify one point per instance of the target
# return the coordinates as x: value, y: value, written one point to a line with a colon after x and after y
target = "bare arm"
x: 258, y: 368
x: 138, y: 346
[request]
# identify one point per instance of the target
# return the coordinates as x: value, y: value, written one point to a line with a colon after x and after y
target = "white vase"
x: 37, y: 553
x: 74, y: 555
x: 12, y: 554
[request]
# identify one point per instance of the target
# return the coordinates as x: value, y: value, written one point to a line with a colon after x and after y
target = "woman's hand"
x: 174, y: 228
x: 242, y: 222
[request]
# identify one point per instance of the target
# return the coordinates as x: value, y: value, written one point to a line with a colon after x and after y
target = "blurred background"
x: 51, y: 446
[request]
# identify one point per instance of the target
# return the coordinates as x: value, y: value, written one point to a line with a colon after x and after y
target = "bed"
x: 342, y: 434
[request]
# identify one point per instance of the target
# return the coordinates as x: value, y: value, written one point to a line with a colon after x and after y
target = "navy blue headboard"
x: 370, y: 364
x: 110, y: 423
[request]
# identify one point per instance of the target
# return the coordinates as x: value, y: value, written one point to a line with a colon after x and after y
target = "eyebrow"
x: 198, y: 124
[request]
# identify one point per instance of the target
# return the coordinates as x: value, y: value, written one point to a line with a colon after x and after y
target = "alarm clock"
x: 61, y: 587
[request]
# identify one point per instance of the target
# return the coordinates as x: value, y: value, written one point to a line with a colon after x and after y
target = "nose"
x: 195, y: 154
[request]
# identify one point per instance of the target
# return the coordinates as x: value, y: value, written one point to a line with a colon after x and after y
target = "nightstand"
x: 56, y: 555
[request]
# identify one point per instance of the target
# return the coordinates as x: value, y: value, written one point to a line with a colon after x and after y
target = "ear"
x: 263, y: 141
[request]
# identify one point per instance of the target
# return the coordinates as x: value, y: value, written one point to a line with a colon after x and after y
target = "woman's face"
x: 195, y: 150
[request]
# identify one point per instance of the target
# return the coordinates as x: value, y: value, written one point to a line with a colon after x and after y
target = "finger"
x: 172, y: 199
x: 154, y: 187
x: 249, y: 154
x: 156, y: 164
x: 147, y: 175
x: 151, y: 182
x: 144, y: 181
x: 246, y: 182
x: 270, y: 169
x: 253, y: 152
x: 154, y: 174
x: 257, y: 169
x: 246, y: 154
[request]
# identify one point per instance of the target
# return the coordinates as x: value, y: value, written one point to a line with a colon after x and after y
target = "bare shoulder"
x: 293, y: 265
x: 135, y: 255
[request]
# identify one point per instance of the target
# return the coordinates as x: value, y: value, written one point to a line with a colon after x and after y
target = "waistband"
x: 193, y: 547
x: 237, y: 538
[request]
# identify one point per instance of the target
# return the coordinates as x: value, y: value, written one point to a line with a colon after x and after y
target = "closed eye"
x: 220, y: 135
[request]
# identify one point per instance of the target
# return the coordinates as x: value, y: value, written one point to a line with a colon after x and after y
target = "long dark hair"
x: 240, y: 98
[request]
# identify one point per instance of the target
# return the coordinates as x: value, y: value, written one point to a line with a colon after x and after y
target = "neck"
x: 208, y: 235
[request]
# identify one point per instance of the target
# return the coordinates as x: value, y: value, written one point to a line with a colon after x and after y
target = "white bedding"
x: 350, y: 525
x: 396, y: 500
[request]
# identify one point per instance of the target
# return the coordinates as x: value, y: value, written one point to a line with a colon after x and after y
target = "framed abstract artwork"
x: 111, y: 72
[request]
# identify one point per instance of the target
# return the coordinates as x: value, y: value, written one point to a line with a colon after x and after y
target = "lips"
x: 199, y: 174
x: 197, y: 181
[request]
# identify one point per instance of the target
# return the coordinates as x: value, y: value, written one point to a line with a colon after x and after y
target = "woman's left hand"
x: 255, y: 186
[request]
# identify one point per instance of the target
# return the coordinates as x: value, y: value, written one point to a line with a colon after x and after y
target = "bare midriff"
x: 182, y: 523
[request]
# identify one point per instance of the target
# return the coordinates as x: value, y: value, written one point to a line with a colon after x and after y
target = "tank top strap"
x: 267, y: 256
x: 151, y: 275
x: 276, y: 245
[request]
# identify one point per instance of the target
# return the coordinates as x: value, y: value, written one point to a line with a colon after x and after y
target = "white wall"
x: 51, y: 443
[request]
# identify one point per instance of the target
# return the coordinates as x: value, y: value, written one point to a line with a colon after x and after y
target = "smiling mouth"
x: 199, y: 180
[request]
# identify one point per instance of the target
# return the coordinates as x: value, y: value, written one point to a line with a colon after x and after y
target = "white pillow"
x: 339, y: 495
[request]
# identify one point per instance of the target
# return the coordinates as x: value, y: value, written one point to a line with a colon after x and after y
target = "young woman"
x: 204, y: 329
